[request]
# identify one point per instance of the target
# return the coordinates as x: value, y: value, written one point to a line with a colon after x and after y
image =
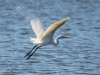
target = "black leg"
x: 30, y: 51
x: 33, y: 52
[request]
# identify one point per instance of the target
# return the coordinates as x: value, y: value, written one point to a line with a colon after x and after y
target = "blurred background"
x: 78, y: 55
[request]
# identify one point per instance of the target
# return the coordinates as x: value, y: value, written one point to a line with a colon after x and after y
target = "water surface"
x: 78, y: 55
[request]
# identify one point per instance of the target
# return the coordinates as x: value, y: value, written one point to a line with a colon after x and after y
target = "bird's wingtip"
x: 17, y: 7
x: 68, y: 17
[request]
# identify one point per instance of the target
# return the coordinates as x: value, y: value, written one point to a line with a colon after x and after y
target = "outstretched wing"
x: 35, y: 22
x: 51, y: 29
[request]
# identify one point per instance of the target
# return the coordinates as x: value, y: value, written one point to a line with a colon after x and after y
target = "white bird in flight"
x: 44, y: 37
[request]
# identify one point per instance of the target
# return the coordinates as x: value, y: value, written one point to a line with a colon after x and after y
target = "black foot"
x: 29, y: 56
x: 30, y: 51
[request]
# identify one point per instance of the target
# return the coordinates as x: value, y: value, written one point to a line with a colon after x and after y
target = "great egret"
x: 43, y: 37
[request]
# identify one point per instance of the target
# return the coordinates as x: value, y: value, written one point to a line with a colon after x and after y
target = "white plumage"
x: 44, y: 37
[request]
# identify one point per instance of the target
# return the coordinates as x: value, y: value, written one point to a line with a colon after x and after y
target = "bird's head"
x: 63, y: 36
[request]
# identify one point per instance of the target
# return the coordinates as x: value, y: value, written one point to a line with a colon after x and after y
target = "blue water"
x: 78, y: 55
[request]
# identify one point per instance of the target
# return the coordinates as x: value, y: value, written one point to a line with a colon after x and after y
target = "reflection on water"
x: 78, y: 55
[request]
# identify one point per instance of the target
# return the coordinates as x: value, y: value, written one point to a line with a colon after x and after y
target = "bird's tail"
x: 33, y: 40
x: 36, y: 41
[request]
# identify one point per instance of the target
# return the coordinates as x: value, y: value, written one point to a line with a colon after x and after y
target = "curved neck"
x: 56, y: 41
